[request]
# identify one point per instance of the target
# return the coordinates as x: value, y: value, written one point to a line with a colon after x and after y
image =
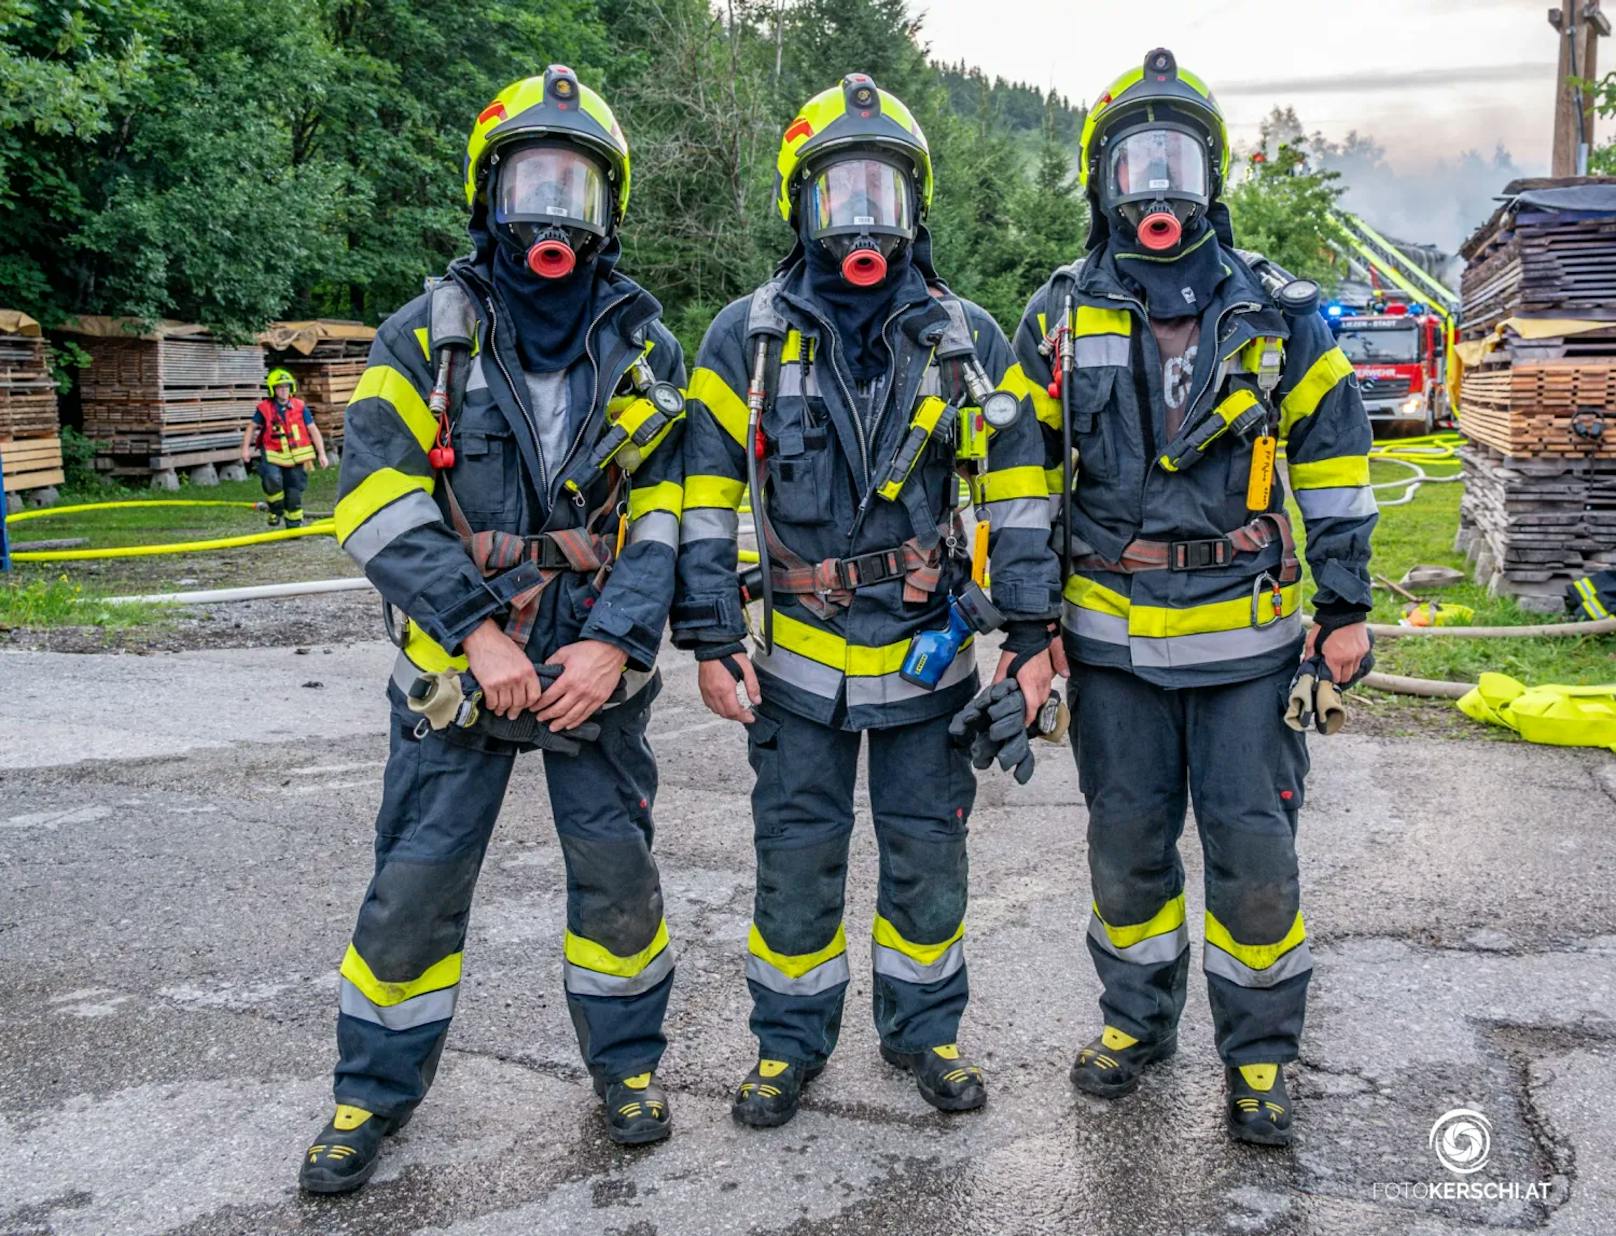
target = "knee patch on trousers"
x: 923, y: 886
x: 799, y: 895
x: 415, y: 915
x: 614, y: 893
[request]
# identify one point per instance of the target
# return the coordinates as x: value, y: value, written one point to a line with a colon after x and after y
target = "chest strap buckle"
x: 1200, y: 555
x: 865, y: 570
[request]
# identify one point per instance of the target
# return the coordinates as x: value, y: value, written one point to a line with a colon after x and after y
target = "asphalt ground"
x: 185, y: 837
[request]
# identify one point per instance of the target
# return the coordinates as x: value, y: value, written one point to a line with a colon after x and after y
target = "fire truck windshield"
x: 1398, y: 345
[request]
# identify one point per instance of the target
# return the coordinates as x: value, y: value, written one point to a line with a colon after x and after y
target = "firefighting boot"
x: 345, y: 1154
x: 946, y: 1081
x: 636, y: 1110
x: 1259, y: 1108
x: 771, y: 1093
x: 1109, y: 1067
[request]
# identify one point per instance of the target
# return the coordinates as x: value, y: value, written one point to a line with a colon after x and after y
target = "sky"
x: 1428, y: 79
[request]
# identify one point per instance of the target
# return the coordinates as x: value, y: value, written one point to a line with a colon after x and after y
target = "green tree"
x: 1283, y: 210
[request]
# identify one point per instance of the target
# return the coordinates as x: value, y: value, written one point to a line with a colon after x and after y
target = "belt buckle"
x: 1266, y: 583
x: 867, y: 569
x: 1199, y: 555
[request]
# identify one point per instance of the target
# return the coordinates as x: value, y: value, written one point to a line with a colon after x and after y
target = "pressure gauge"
x: 666, y: 397
x: 1000, y: 409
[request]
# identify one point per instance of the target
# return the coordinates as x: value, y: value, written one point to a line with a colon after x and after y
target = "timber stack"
x: 30, y: 441
x: 165, y: 398
x: 1538, y: 395
x: 327, y: 358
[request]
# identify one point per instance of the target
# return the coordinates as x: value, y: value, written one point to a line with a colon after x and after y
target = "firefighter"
x: 526, y: 530
x: 1182, y: 613
x: 288, y: 441
x: 850, y: 448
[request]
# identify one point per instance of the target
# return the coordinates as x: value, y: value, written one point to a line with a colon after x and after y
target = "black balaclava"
x: 859, y: 313
x: 550, y: 316
x: 1179, y: 285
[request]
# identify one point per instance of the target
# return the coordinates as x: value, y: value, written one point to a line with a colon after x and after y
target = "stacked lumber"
x: 1542, y: 408
x: 327, y: 358
x: 29, y: 445
x: 1531, y: 526
x: 164, y: 398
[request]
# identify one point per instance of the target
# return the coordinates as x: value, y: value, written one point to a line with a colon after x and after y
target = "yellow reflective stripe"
x: 1005, y: 483
x: 663, y: 496
x: 381, y: 487
x: 1169, y: 918
x: 438, y: 975
x: 425, y: 340
x: 385, y: 382
x: 1318, y: 382
x: 1094, y: 321
x: 1086, y: 594
x: 1054, y: 478
x: 426, y: 654
x: 1017, y: 382
x: 888, y: 936
x: 722, y: 491
x: 1254, y: 956
x: 591, y: 956
x: 1337, y: 473
x: 728, y: 408
x: 1160, y: 622
x: 795, y: 965
x: 855, y: 660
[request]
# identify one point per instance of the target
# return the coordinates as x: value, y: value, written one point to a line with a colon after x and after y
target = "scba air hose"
x: 320, y: 527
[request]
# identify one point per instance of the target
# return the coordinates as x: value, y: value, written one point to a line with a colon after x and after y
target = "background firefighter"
x: 287, y: 441
x: 854, y: 432
x: 521, y: 538
x: 1183, y: 603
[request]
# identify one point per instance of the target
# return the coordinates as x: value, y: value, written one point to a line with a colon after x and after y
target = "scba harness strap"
x: 826, y: 586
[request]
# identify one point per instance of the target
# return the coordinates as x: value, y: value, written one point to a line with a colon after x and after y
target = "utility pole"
x: 1580, y: 26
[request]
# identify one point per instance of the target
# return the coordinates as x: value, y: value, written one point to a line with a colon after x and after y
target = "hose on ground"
x: 1424, y: 688
x: 324, y: 527
x: 46, y: 512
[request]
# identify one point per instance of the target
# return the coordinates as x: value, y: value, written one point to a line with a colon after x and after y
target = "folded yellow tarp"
x: 1553, y: 715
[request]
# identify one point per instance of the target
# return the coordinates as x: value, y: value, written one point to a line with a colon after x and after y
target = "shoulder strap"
x: 763, y: 317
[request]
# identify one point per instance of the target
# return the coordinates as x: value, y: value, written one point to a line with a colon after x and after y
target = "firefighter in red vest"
x: 289, y: 441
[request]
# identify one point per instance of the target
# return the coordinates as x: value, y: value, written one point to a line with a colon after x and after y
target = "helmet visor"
x: 860, y: 195
x: 1156, y: 163
x: 551, y: 184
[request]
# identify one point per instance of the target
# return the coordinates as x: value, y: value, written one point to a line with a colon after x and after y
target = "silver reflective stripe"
x: 823, y: 977
x: 893, y: 964
x: 1030, y: 513
x: 931, y: 383
x: 1151, y: 951
x: 419, y: 1010
x: 659, y: 526
x: 1091, y: 624
x: 791, y: 380
x: 799, y: 671
x: 875, y: 690
x: 476, y: 380
x: 1212, y: 646
x: 1350, y: 502
x: 412, y: 510
x: 1092, y: 350
x: 708, y: 523
x: 581, y: 981
x: 405, y: 672
x: 1298, y: 961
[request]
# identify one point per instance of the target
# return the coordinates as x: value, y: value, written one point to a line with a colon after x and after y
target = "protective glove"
x: 993, y: 726
x: 1315, y: 699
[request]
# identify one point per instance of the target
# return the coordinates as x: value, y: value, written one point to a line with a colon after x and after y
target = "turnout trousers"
x: 440, y: 798
x: 921, y: 791
x: 283, y: 487
x: 1145, y: 753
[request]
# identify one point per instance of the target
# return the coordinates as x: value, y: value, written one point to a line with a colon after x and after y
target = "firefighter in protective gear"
x: 288, y: 442
x: 1164, y: 361
x: 513, y: 532
x: 842, y: 388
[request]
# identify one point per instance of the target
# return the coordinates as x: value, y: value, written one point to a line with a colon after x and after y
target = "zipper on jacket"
x: 594, y: 390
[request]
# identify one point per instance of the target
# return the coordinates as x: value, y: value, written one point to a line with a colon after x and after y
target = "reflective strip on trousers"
x: 827, y: 974
x: 1352, y: 502
x: 708, y: 524
x: 1156, y: 950
x: 878, y: 689
x: 894, y: 964
x: 1298, y: 960
x: 419, y: 1010
x: 580, y: 981
x: 1031, y: 513
x: 659, y: 526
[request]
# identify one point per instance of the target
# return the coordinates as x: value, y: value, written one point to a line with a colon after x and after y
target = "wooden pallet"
x: 32, y: 463
x: 1528, y: 410
x: 27, y: 393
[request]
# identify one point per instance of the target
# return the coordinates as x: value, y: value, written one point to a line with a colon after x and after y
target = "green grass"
x: 61, y: 602
x: 1422, y: 532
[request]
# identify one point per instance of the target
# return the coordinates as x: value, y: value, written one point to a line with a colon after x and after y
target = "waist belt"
x: 1208, y: 553
x: 835, y: 580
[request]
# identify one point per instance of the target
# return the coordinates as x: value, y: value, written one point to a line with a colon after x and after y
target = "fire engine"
x: 1399, y: 352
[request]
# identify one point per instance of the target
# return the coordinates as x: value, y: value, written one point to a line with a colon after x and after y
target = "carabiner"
x: 1267, y: 583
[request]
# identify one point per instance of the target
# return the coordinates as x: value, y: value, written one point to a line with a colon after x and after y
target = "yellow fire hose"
x: 324, y: 527
x: 46, y: 512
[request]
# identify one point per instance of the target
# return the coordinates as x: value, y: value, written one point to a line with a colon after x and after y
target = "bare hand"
x: 324, y: 462
x: 1057, y: 656
x: 718, y: 688
x: 1344, y: 651
x: 590, y: 670
x: 509, y: 682
x: 1034, y: 679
